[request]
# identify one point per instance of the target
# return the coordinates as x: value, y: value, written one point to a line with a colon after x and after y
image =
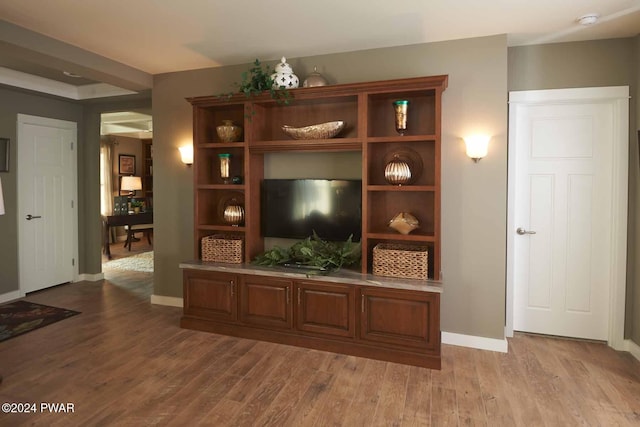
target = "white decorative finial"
x: 284, y: 60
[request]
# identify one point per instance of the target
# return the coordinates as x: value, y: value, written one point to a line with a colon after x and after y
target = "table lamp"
x: 131, y: 184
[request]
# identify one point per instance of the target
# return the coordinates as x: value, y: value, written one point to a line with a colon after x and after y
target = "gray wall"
x: 13, y: 102
x: 474, y: 195
x: 591, y: 64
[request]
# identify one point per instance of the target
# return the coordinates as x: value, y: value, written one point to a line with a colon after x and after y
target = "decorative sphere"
x: 397, y: 172
x: 234, y: 214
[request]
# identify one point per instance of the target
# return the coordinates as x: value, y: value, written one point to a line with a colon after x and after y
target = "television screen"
x: 295, y: 208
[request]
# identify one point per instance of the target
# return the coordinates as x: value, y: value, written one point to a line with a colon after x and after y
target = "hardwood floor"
x: 119, y: 251
x: 126, y: 362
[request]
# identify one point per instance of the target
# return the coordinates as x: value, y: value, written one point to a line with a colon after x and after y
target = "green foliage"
x: 315, y: 252
x: 136, y: 204
x: 257, y: 80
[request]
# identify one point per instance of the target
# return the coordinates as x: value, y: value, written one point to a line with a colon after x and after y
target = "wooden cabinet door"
x: 210, y: 295
x: 266, y: 301
x: 325, y: 308
x: 400, y: 317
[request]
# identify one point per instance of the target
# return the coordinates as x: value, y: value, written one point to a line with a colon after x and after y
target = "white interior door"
x: 46, y: 201
x: 566, y: 214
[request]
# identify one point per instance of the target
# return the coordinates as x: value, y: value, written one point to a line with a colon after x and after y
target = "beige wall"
x: 587, y: 64
x: 474, y: 195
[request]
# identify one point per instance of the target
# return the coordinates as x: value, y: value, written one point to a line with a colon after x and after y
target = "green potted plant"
x: 257, y: 80
x: 136, y: 205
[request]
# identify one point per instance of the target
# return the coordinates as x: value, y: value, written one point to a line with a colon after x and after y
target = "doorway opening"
x: 126, y: 191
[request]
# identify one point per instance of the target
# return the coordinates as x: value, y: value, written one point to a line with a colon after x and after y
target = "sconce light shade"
x: 131, y: 183
x: 477, y: 146
x: 186, y: 154
x: 1, y: 199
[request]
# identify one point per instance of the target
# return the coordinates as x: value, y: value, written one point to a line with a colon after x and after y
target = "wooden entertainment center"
x: 347, y: 312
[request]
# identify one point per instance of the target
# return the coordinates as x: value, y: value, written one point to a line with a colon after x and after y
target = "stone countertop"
x: 340, y: 276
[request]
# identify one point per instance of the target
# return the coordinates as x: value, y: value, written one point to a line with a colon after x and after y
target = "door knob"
x: 522, y: 231
x: 30, y: 217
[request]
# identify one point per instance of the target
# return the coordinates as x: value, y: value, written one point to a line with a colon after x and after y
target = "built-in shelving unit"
x: 389, y: 320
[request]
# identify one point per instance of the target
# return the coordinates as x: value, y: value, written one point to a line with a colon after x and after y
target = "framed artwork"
x: 126, y: 164
x: 4, y: 154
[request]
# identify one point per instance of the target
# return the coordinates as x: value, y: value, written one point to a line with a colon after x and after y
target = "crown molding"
x: 52, y: 87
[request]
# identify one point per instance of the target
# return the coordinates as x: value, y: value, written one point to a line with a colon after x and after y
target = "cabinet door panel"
x: 266, y: 302
x: 210, y: 295
x: 400, y: 317
x: 325, y: 308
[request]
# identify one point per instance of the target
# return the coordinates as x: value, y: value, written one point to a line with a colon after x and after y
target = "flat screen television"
x: 295, y: 208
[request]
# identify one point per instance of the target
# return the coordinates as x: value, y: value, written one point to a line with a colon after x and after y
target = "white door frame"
x: 62, y: 124
x: 618, y: 96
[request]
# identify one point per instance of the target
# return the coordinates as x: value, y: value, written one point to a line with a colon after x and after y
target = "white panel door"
x: 46, y: 194
x: 564, y: 216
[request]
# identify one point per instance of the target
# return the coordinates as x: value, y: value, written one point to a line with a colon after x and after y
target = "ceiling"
x: 118, y: 45
x: 127, y: 123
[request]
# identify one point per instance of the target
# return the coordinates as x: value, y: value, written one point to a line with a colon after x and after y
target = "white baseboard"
x: 90, y: 277
x: 632, y: 348
x: 170, y: 301
x: 10, y: 296
x: 472, y: 341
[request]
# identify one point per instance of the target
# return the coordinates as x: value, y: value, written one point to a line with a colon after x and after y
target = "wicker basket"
x: 222, y: 248
x: 400, y: 260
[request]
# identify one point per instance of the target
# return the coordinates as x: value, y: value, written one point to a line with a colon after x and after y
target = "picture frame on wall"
x: 4, y: 154
x: 126, y: 164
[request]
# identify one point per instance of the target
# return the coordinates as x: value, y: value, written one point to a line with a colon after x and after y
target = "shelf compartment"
x: 317, y: 145
x: 207, y: 167
x: 422, y: 155
x: 383, y: 206
x: 210, y: 206
x: 208, y: 118
x: 421, y: 113
x: 269, y: 117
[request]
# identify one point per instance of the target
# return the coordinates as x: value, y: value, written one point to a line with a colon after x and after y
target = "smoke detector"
x: 588, y: 19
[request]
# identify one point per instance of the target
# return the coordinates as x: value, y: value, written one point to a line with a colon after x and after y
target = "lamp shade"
x: 131, y: 183
x: 477, y: 146
x: 186, y: 154
x: 1, y: 199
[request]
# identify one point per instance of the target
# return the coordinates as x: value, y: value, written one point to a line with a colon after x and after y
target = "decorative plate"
x: 319, y: 131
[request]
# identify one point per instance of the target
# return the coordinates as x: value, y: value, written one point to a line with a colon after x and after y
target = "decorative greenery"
x: 314, y: 252
x: 257, y: 80
x: 136, y: 204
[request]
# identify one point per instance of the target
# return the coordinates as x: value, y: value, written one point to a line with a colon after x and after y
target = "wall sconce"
x: 186, y: 154
x: 477, y: 146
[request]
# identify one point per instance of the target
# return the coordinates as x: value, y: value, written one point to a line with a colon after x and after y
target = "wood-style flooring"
x: 119, y: 251
x: 126, y: 362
